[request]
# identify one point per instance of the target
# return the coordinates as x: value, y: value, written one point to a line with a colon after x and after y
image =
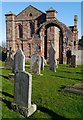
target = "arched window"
x: 20, y: 30
x: 30, y: 14
x: 31, y: 29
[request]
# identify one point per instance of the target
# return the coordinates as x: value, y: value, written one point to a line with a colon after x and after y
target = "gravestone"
x: 73, y: 61
x: 35, y: 64
x: 52, y: 62
x: 19, y: 61
x: 65, y: 59
x: 22, y: 94
x: 68, y: 54
x: 76, y: 89
x: 42, y: 63
x: 56, y: 64
x: 9, y: 60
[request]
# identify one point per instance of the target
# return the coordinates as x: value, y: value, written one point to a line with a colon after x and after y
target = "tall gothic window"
x: 20, y: 27
x: 31, y: 29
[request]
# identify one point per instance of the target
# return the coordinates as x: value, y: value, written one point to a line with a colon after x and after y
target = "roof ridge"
x: 28, y: 7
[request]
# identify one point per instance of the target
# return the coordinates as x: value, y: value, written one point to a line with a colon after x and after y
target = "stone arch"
x: 66, y: 35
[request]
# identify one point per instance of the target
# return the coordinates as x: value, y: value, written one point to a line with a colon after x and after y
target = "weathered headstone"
x: 9, y: 60
x: 73, y: 61
x: 22, y: 94
x: 52, y: 62
x: 68, y: 54
x: 65, y: 60
x: 35, y: 64
x: 9, y: 63
x: 19, y: 61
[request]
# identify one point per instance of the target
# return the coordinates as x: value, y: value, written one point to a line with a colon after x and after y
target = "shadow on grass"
x: 79, y: 72
x: 6, y: 94
x: 65, y: 71
x: 0, y: 99
x: 53, y: 115
x: 8, y: 103
x: 67, y: 77
x: 6, y: 77
x: 70, y: 72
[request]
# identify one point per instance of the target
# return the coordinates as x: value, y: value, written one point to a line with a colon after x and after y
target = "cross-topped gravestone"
x: 22, y: 94
x: 19, y: 61
x: 52, y: 62
x: 35, y: 65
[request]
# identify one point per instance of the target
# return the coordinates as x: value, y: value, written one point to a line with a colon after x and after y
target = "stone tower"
x: 10, y: 30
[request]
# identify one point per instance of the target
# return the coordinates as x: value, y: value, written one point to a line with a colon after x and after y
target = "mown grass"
x: 47, y: 93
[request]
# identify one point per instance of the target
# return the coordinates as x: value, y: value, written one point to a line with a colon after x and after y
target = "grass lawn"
x: 47, y: 93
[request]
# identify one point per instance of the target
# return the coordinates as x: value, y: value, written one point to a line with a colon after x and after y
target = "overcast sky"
x: 66, y: 12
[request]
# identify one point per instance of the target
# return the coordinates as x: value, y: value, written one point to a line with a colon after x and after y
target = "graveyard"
x: 47, y: 93
x: 41, y: 74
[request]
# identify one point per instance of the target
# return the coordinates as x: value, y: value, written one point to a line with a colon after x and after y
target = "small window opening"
x: 30, y: 14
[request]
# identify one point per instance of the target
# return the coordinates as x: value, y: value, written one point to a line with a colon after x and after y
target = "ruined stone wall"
x: 37, y: 18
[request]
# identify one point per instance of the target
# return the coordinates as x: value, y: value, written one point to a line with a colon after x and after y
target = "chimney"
x: 75, y: 22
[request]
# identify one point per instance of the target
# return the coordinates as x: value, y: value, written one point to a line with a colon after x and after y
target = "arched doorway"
x: 54, y: 35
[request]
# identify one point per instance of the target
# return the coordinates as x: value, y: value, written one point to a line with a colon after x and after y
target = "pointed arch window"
x: 31, y: 29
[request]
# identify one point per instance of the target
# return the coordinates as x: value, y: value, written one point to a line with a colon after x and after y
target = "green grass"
x: 47, y: 93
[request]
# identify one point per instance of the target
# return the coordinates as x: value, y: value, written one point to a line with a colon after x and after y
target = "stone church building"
x: 34, y: 31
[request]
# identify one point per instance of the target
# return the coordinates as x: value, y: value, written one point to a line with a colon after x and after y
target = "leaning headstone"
x: 19, y: 61
x: 35, y: 64
x: 9, y: 60
x: 22, y: 94
x: 73, y: 61
x: 52, y: 62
